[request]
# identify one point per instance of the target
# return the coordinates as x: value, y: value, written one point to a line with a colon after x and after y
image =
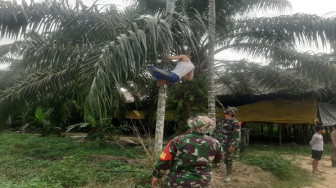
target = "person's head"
x: 230, y: 111
x: 320, y: 129
x: 200, y: 124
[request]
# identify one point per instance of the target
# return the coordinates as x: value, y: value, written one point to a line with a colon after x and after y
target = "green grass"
x: 33, y: 161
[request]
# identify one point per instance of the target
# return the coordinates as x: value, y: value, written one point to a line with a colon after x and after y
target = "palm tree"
x: 87, y: 53
x: 162, y: 96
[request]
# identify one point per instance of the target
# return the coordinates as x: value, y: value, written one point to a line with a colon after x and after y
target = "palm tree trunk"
x: 161, y: 108
x: 160, y: 117
x: 169, y: 10
x: 211, y: 70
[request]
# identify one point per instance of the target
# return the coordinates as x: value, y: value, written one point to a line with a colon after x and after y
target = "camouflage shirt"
x: 227, y: 132
x: 189, y: 158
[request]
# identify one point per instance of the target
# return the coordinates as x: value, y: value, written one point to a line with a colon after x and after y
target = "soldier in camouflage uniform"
x: 227, y: 132
x: 190, y: 157
x: 245, y: 139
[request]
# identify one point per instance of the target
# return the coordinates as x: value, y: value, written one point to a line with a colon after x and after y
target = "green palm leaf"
x: 302, y: 27
x: 251, y: 78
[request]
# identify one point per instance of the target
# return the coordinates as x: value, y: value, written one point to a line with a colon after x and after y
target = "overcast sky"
x: 319, y: 7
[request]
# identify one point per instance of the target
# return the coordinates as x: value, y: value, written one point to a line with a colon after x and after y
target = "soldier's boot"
x: 228, y: 173
x: 333, y: 163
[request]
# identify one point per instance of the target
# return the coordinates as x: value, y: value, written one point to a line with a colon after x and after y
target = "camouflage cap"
x: 234, y: 110
x: 200, y: 124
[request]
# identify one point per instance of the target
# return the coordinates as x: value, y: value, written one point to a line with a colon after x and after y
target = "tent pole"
x: 271, y: 124
x: 280, y: 134
x: 290, y: 131
x: 268, y: 130
x: 304, y: 134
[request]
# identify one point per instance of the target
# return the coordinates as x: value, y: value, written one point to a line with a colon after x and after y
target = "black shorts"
x: 317, y: 155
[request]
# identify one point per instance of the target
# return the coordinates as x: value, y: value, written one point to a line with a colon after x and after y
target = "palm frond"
x: 41, y: 86
x: 263, y: 5
x: 246, y: 41
x: 304, y: 28
x: 125, y: 56
x: 152, y: 6
x: 12, y: 48
x: 321, y: 66
x: 43, y: 54
x: 187, y: 33
x: 16, y: 19
x: 252, y: 78
x: 50, y: 15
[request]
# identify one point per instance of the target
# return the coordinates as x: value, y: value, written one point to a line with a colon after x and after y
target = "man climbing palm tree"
x: 183, y: 70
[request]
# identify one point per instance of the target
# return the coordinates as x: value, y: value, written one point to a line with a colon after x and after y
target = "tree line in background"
x: 72, y: 62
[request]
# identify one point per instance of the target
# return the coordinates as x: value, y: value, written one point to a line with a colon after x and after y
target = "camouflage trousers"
x: 178, y: 182
x: 228, y: 157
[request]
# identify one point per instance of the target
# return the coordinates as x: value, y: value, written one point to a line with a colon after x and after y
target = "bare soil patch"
x: 326, y: 180
x: 243, y: 176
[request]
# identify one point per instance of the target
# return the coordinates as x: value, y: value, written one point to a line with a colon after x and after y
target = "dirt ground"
x: 326, y: 180
x: 243, y: 176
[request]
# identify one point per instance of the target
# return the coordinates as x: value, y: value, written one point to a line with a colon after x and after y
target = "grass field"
x: 33, y: 161
x: 28, y: 160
